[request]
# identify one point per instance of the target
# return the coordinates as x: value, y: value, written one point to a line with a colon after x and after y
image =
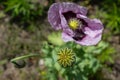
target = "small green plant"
x: 24, y: 10
x: 114, y: 19
x: 85, y: 64
x: 88, y: 60
x: 112, y: 16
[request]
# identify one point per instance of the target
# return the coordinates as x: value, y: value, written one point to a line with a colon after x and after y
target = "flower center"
x: 74, y: 23
x: 79, y: 34
x: 66, y: 57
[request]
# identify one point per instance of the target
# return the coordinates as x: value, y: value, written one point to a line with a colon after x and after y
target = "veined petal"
x: 54, y: 17
x: 66, y: 37
x: 67, y: 6
x: 90, y: 40
x: 94, y: 26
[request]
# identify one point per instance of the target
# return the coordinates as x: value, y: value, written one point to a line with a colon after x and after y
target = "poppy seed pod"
x: 66, y: 57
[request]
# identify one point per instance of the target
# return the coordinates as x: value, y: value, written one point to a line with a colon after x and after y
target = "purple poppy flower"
x: 75, y: 26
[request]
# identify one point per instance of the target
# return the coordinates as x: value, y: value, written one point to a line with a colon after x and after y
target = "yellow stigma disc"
x: 73, y: 23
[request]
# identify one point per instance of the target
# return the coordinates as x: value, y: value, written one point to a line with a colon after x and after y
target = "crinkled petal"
x: 94, y: 26
x: 66, y: 37
x: 64, y: 23
x: 54, y: 17
x: 69, y: 32
x: 67, y: 6
x: 91, y: 33
x: 89, y: 40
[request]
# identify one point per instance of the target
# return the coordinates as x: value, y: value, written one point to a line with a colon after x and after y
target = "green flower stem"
x: 25, y: 56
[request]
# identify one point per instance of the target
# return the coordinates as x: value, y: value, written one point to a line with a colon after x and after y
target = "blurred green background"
x: 24, y: 29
